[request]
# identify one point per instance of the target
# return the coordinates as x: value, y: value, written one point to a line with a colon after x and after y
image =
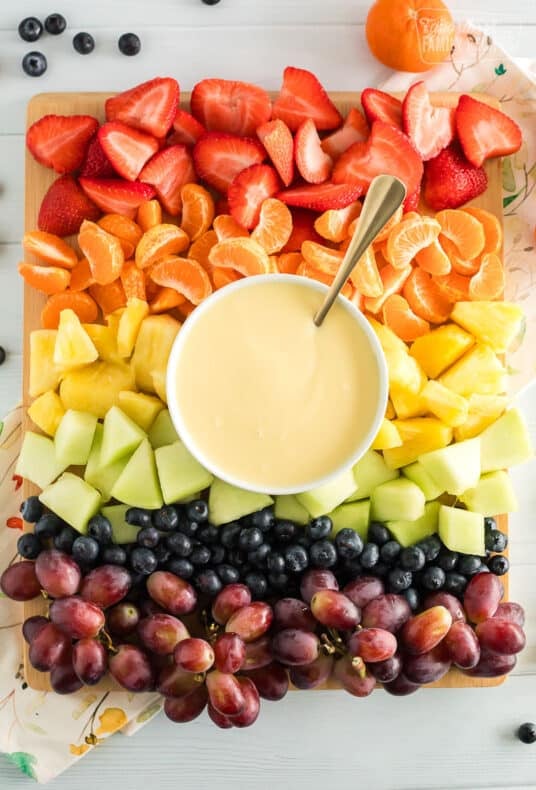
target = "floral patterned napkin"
x: 45, y: 733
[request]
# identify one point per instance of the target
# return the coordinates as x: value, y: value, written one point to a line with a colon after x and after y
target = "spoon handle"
x: 384, y: 196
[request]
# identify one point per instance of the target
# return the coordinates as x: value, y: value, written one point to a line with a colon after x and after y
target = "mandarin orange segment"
x: 49, y: 249
x: 47, y: 279
x: 397, y: 217
x: 458, y: 263
x: 226, y: 227
x: 425, y: 298
x: 103, y: 252
x: 149, y: 214
x: 109, y: 297
x: 434, y: 259
x: 307, y: 269
x: 324, y: 259
x: 185, y: 309
x: 365, y: 276
x: 288, y: 262
x: 80, y: 303
x: 464, y: 230
x: 408, y: 237
x: 133, y: 281
x: 166, y: 299
x: 222, y: 277
x: 200, y: 249
x: 400, y: 318
x: 488, y: 283
x: 123, y: 227
x: 246, y: 256
x: 333, y: 224
x: 197, y: 210
x: 393, y: 281
x: 454, y: 286
x: 81, y: 277
x: 492, y: 228
x: 274, y: 226
x: 159, y: 241
x: 185, y: 275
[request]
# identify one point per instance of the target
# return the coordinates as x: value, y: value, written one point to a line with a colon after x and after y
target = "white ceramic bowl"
x: 182, y: 428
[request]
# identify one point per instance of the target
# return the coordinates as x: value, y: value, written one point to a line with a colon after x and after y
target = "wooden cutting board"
x: 37, y: 181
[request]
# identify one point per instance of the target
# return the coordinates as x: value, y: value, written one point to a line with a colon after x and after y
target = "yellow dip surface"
x: 268, y: 397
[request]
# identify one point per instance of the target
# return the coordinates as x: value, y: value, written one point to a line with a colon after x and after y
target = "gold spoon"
x: 384, y: 196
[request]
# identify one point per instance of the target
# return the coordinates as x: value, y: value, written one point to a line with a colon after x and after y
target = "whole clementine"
x: 410, y: 35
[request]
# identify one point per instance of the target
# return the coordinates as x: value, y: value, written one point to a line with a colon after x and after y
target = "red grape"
x: 48, y: 647
x: 293, y: 613
x: 312, y: 675
x: 492, y: 665
x: 106, y: 585
x: 19, y: 582
x: 427, y: 667
x: 161, y: 633
x: 335, y: 610
x: 364, y: 589
x: 78, y: 618
x: 501, y: 636
x: 386, y: 671
x: 131, y: 668
x: 173, y: 594
x: 252, y: 704
x: 122, y: 618
x: 188, y: 708
x: 229, y: 653
x: 251, y: 621
x: 401, y: 686
x: 90, y: 660
x: 63, y: 677
x: 258, y: 653
x: 32, y: 625
x: 424, y: 631
x: 372, y: 644
x: 511, y: 611
x: 218, y: 718
x: 194, y: 655
x: 58, y: 574
x: 482, y: 597
x: 315, y: 580
x: 175, y: 682
x: 271, y: 681
x: 359, y: 683
x: 449, y: 601
x: 388, y: 611
x: 225, y: 693
x: 462, y: 645
x: 232, y: 598
x: 294, y: 647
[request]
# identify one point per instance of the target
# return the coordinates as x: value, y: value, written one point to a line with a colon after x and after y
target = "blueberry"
x: 527, y: 732
x: 468, y: 564
x: 29, y: 546
x: 166, y: 519
x: 84, y: 43
x: 455, y: 583
x: 353, y: 568
x: 31, y: 509
x: 433, y: 578
x: 399, y: 579
x: 143, y: 560
x: 370, y: 555
x: 278, y: 581
x: 114, y: 555
x: 208, y: 534
x: 431, y: 547
x: 275, y: 562
x: 296, y: 559
x: 65, y: 538
x: 197, y: 510
x: 323, y: 554
x: 229, y: 534
x: 348, y: 543
x: 179, y: 544
x: 148, y: 537
x: 188, y: 528
x: 412, y: 558
x: 489, y: 523
x: 378, y: 533
x: 250, y: 538
x: 129, y: 44
x: 319, y: 528
x: 447, y: 559
x: 237, y: 557
x: 34, y: 64
x: 208, y: 582
x: 217, y: 555
x: 389, y: 551
x: 2, y: 355
x: 139, y: 517
x: 499, y: 565
x: 162, y: 553
x: 263, y: 519
x: 30, y: 28
x: 285, y: 531
x: 259, y: 556
x: 181, y: 567
x: 85, y: 549
x: 381, y: 569
x: 412, y: 597
x: 304, y: 540
x: 200, y: 556
x: 100, y: 529
x: 210, y: 2
x: 257, y: 584
x: 55, y: 24
x: 48, y: 526
x: 496, y: 540
x: 227, y: 573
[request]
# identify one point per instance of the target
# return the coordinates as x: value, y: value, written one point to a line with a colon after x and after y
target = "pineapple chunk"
x: 483, y: 411
x: 74, y: 348
x: 445, y: 404
x: 105, y: 341
x: 390, y: 412
x: 499, y: 324
x: 151, y: 352
x: 114, y: 318
x: 404, y: 371
x: 44, y: 375
x: 388, y: 436
x: 46, y: 412
x: 419, y: 435
x: 440, y: 348
x: 140, y: 407
x: 129, y: 325
x: 477, y: 371
x: 388, y: 340
x: 96, y: 387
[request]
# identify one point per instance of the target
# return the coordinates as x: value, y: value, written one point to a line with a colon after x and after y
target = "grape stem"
x: 358, y: 665
x: 332, y: 644
x: 212, y: 629
x: 107, y: 641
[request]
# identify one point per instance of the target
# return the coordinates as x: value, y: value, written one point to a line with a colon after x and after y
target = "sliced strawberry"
x: 230, y: 106
x: 321, y: 197
x: 276, y: 137
x: 127, y: 149
x: 64, y: 208
x: 219, y: 158
x: 249, y: 190
x: 387, y: 150
x: 303, y: 229
x: 354, y: 130
x: 301, y: 97
x: 61, y: 141
x: 313, y: 164
x: 151, y: 106
x: 116, y: 196
x: 96, y: 164
x: 429, y: 128
x: 450, y: 180
x: 485, y: 132
x: 186, y: 129
x: 380, y: 106
x: 167, y: 172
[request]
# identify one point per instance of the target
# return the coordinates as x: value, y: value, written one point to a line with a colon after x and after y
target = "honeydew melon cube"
x: 352, y: 515
x: 492, y: 495
x: 505, y: 443
x: 418, y: 474
x: 326, y: 498
x: 162, y: 430
x: 73, y: 500
x: 397, y: 499
x: 455, y: 468
x: 102, y: 477
x: 409, y: 532
x: 140, y: 407
x: 287, y: 507
x: 122, y: 532
x: 37, y: 460
x: 138, y: 485
x: 74, y: 437
x: 462, y: 530
x: 121, y: 436
x: 228, y: 503
x: 180, y: 474
x: 369, y: 472
x: 46, y: 412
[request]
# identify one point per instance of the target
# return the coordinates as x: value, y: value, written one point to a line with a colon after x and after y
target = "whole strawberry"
x: 450, y: 180
x: 64, y: 207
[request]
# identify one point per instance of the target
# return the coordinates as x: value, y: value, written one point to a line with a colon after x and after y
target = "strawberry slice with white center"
x: 230, y: 106
x: 248, y: 192
x: 167, y: 172
x: 381, y: 106
x: 277, y: 138
x: 117, y: 196
x: 388, y: 151
x: 429, y: 128
x: 485, y: 132
x: 354, y: 130
x: 151, y: 106
x: 186, y: 129
x: 219, y: 158
x: 301, y: 97
x: 313, y: 164
x: 61, y: 141
x: 321, y: 197
x: 127, y: 149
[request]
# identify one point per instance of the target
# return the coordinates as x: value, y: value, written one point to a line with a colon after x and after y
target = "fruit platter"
x: 141, y: 568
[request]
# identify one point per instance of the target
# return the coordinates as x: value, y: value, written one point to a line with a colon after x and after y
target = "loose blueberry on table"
x: 34, y: 64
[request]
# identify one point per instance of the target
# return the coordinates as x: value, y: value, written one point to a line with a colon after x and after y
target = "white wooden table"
x: 435, y: 739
